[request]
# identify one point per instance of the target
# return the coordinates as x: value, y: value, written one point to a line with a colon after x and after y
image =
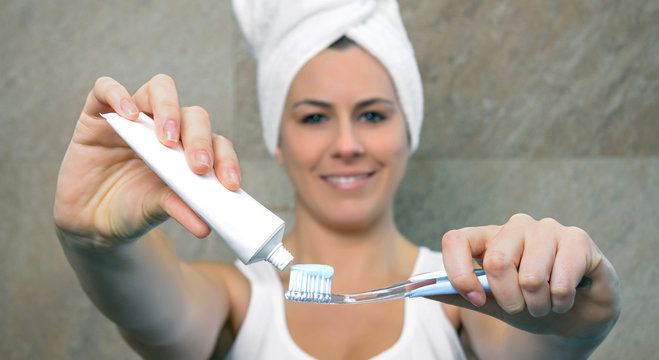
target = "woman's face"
x: 343, y: 138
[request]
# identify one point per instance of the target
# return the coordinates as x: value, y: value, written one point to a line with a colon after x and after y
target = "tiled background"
x: 545, y: 107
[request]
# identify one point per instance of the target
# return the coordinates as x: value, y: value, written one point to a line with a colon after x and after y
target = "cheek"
x: 298, y: 151
x: 392, y: 150
x: 392, y: 145
x: 398, y: 157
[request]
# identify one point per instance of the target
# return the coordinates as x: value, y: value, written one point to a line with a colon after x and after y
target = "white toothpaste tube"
x: 252, y: 232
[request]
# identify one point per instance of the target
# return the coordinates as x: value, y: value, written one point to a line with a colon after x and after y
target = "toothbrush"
x: 312, y: 283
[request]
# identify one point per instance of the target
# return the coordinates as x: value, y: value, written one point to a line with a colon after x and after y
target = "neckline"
x: 408, y: 315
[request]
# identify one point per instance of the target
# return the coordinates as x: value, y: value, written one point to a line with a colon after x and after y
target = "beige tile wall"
x: 544, y: 107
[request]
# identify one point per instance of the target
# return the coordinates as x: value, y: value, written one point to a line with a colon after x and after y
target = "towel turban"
x: 283, y: 35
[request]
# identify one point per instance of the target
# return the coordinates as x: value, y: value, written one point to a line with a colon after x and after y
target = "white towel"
x: 283, y: 35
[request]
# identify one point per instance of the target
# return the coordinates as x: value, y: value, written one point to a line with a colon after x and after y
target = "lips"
x: 348, y: 181
x: 345, y: 179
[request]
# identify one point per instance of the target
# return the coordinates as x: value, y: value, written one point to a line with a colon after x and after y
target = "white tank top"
x: 427, y: 332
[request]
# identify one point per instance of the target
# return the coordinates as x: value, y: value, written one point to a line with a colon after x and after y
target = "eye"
x: 314, y: 119
x: 373, y: 117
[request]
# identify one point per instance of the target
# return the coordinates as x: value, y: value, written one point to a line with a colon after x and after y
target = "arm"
x: 534, y: 309
x: 107, y: 198
x: 163, y: 308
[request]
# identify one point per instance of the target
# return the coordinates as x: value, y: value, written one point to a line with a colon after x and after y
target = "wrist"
x: 91, y: 241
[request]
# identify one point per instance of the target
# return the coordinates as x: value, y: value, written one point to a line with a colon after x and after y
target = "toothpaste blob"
x: 310, y: 283
x: 250, y: 230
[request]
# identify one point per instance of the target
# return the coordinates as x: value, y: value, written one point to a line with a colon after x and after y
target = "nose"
x: 347, y: 143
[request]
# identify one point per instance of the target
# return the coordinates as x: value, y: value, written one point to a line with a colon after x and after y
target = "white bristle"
x: 310, y: 283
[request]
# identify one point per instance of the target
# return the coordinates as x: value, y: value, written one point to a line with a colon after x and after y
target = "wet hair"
x: 342, y: 43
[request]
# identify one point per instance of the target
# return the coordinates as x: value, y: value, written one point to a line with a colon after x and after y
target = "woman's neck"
x: 376, y: 253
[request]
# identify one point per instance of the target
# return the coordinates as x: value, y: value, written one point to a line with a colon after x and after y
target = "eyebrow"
x: 369, y: 102
x: 326, y: 105
x: 312, y: 102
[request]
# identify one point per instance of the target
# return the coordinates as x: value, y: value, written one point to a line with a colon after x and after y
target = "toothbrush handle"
x: 443, y: 286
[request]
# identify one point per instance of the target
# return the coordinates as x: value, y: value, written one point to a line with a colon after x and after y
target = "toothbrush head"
x: 310, y: 283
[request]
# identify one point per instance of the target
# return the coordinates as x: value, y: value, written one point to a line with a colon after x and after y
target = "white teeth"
x: 345, y: 179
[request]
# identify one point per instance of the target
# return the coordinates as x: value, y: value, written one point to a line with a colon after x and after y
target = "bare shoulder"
x: 231, y: 282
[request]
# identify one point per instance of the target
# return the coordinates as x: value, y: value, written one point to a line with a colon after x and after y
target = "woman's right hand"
x: 106, y: 193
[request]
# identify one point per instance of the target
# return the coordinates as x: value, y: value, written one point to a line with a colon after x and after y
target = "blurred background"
x: 545, y: 107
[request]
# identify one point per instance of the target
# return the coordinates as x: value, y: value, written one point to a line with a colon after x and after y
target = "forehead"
x: 342, y: 73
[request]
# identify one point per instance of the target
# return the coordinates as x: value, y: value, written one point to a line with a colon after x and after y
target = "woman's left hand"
x: 533, y: 268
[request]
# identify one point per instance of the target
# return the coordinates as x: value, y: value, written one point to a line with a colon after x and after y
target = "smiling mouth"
x: 347, y: 179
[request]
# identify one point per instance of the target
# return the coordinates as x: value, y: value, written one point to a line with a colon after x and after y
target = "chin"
x: 352, y: 220
x: 352, y: 215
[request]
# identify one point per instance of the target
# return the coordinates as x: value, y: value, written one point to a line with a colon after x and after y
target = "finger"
x: 536, y: 266
x: 572, y: 261
x: 459, y: 247
x: 181, y: 212
x: 109, y: 95
x: 501, y: 261
x: 227, y: 168
x: 197, y: 138
x: 160, y: 98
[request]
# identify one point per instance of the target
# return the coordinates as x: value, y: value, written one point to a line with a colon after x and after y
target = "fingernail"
x: 231, y: 177
x: 128, y: 109
x: 203, y: 158
x: 170, y: 130
x: 476, y: 298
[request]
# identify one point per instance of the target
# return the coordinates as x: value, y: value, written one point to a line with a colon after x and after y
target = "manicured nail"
x: 230, y: 176
x: 203, y: 158
x: 476, y: 298
x: 171, y: 131
x: 128, y: 109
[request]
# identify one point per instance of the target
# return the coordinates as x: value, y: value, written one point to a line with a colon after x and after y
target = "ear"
x: 280, y: 157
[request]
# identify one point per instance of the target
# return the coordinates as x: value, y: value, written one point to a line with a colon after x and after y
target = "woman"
x: 344, y: 136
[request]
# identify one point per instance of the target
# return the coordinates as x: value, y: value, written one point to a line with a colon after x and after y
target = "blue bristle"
x: 310, y: 283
